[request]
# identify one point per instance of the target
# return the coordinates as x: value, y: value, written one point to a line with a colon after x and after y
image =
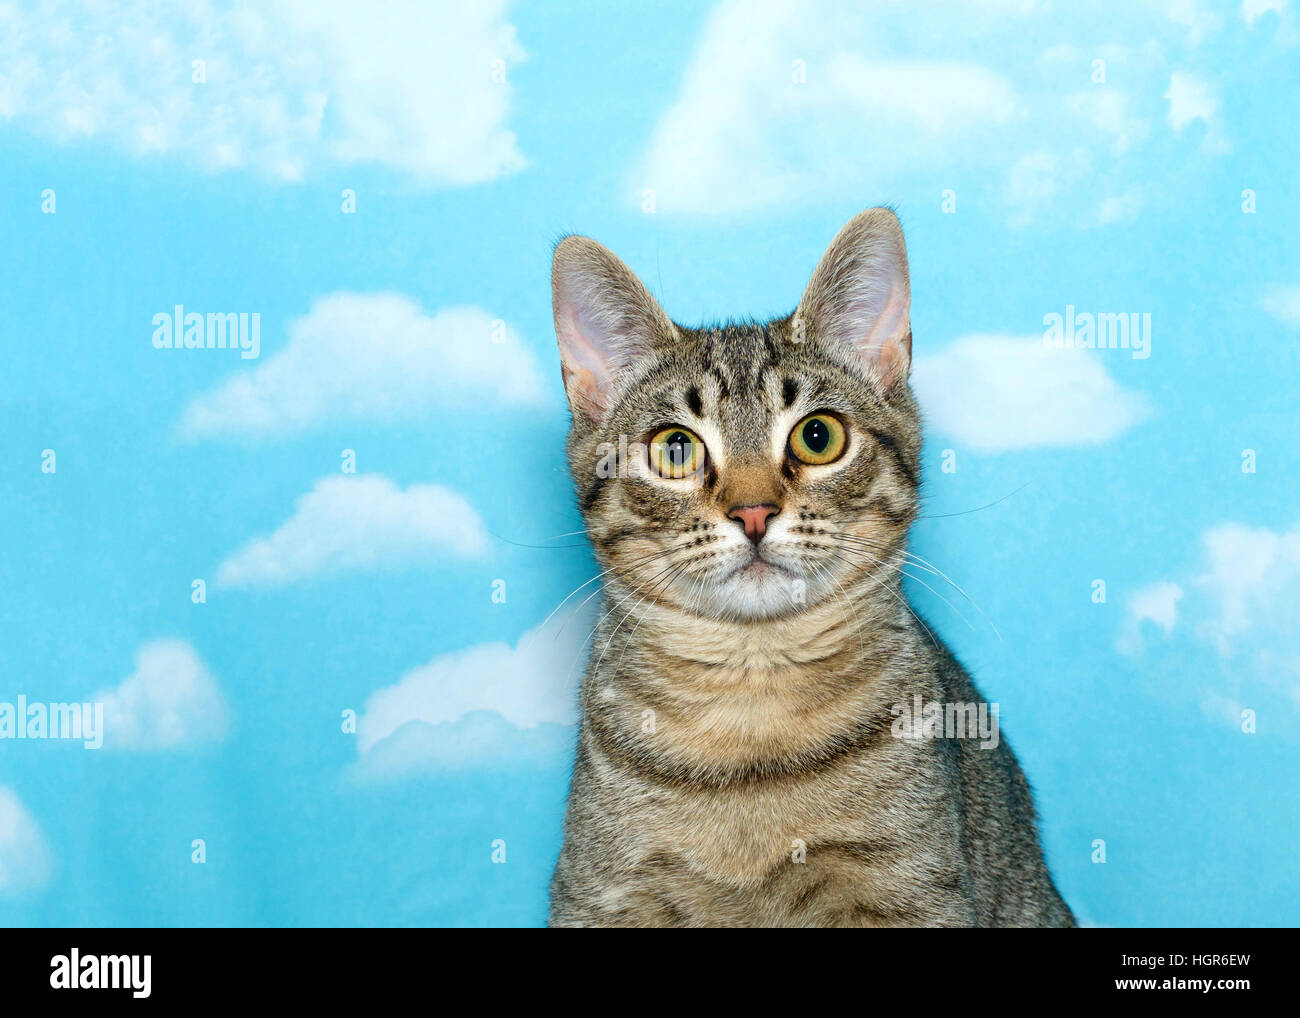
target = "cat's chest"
x: 752, y: 712
x: 738, y: 837
x: 740, y: 758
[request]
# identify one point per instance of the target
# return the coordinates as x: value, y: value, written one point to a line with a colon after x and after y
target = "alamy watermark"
x: 179, y: 329
x: 622, y: 458
x: 1101, y: 330
x: 931, y: 719
x: 77, y: 971
x: 74, y: 721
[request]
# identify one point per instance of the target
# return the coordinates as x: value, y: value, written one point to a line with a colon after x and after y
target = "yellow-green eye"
x: 676, y: 452
x: 818, y: 439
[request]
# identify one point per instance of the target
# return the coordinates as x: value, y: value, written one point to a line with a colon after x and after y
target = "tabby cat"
x: 748, y: 489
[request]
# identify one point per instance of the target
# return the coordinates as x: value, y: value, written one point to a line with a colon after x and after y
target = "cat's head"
x: 745, y: 470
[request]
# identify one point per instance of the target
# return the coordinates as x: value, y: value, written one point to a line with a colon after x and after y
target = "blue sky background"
x: 1124, y: 195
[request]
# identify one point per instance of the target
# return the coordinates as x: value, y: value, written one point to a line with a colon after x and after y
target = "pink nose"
x: 754, y: 518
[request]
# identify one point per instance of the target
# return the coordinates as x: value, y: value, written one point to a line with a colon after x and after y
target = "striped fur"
x: 735, y: 762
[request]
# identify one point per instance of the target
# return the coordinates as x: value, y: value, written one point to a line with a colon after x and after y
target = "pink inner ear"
x: 574, y: 343
x: 894, y: 360
x: 888, y: 343
x: 877, y: 325
x: 586, y: 371
x: 891, y: 325
x: 583, y: 389
x: 859, y: 294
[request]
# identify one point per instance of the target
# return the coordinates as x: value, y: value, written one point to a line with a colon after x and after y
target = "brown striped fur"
x: 736, y: 764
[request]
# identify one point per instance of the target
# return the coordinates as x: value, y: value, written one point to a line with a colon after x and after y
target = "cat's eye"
x: 818, y: 439
x: 676, y: 452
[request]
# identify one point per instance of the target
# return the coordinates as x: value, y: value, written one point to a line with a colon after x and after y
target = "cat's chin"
x: 759, y: 589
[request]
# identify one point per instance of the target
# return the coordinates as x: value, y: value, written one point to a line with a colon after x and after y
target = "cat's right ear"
x: 605, y: 321
x: 859, y: 297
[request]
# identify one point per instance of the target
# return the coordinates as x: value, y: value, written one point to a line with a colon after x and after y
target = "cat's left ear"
x: 605, y: 322
x: 860, y: 296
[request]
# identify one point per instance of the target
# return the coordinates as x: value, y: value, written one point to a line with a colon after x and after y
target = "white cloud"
x: 786, y: 103
x: 1253, y: 10
x: 24, y: 856
x: 373, y: 357
x: 358, y: 522
x: 1283, y: 303
x: 1191, y: 99
x: 1110, y: 111
x: 1252, y: 582
x: 490, y: 702
x: 1196, y: 20
x: 1286, y: 31
x: 171, y: 701
x: 742, y: 134
x: 1157, y: 603
x: 996, y: 393
x: 480, y: 739
x: 289, y: 85
x: 1238, y: 613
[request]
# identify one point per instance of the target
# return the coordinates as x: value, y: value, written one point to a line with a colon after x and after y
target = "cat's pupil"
x: 679, y: 445
x: 816, y: 436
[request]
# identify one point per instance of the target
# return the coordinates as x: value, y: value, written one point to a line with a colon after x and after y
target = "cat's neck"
x: 721, y: 696
x: 844, y: 616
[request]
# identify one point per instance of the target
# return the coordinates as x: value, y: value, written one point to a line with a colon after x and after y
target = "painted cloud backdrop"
x: 287, y: 85
x: 335, y: 598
